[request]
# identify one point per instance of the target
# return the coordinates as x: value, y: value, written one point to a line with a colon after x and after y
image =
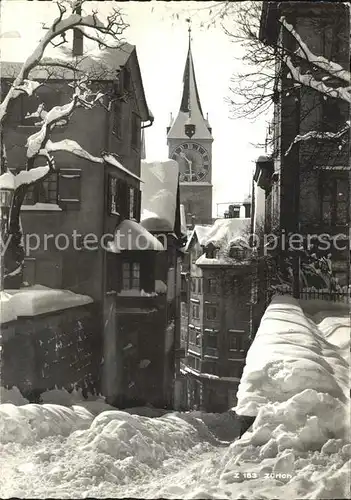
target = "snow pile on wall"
x: 12, y: 396
x: 289, y: 355
x: 37, y: 299
x: 296, y: 384
x: 159, y: 195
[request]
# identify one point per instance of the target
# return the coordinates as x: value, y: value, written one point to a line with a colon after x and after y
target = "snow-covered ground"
x: 298, y: 446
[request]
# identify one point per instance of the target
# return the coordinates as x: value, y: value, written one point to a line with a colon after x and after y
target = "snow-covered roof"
x: 224, y: 231
x: 200, y: 231
x: 159, y: 195
x: 112, y: 160
x: 37, y: 299
x: 224, y: 234
x: 105, y: 61
x: 130, y: 235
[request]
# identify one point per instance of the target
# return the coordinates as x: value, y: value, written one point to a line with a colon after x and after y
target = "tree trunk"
x: 14, y: 254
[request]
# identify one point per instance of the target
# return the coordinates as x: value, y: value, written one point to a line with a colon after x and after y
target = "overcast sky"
x: 161, y: 41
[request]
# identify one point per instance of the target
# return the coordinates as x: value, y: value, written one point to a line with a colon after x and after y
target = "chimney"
x: 77, y: 36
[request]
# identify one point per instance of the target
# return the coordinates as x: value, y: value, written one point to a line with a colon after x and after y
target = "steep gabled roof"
x: 190, y: 106
x: 199, y: 233
x: 99, y: 64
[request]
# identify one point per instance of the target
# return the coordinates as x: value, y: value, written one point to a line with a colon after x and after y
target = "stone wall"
x: 61, y: 349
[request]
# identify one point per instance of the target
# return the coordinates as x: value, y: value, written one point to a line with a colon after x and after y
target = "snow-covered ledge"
x: 36, y: 300
x: 42, y: 207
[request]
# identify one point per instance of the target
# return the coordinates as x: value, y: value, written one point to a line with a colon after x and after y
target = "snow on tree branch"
x: 308, y: 80
x: 112, y: 30
x: 321, y: 62
x: 82, y: 97
x: 71, y: 147
x: 25, y: 177
x: 314, y: 134
x: 28, y: 86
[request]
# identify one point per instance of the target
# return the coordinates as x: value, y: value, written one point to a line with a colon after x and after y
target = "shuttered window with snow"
x: 118, y: 198
x: 70, y: 189
x: 41, y: 192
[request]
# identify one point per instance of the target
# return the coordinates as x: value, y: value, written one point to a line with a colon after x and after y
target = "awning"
x: 130, y: 235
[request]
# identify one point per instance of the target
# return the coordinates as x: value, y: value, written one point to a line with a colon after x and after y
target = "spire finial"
x: 188, y: 20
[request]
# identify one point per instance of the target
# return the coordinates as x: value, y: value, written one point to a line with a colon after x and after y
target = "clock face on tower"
x: 193, y: 160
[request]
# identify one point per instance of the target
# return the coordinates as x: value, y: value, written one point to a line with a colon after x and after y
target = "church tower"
x: 189, y: 140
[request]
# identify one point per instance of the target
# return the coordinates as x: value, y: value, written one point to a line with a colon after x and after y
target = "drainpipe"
x: 151, y: 121
x: 296, y: 257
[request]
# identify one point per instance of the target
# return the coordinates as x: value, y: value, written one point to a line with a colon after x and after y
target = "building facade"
x: 218, y: 321
x: 307, y: 182
x: 96, y: 208
x: 189, y: 139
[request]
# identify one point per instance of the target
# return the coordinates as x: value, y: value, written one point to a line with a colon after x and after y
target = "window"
x: 334, y: 199
x: 212, y: 340
x: 236, y: 340
x: 192, y: 335
x: 198, y: 337
x: 199, y: 285
x: 131, y: 276
x: 193, y: 285
x: 196, y: 311
x: 211, y: 251
x: 117, y: 111
x: 136, y: 133
x: 235, y: 369
x: 211, y: 312
x: 212, y: 285
x: 212, y: 367
x: 43, y: 192
x: 113, y: 196
x: 69, y: 188
x: 118, y: 197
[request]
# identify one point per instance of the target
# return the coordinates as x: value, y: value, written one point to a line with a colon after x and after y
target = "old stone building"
x: 218, y: 321
x: 85, y: 219
x: 189, y: 139
x: 307, y: 182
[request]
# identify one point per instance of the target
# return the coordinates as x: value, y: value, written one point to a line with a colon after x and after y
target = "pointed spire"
x: 190, y: 99
x: 190, y: 112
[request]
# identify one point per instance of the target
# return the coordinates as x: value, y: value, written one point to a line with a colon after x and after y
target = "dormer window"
x: 238, y: 253
x: 211, y: 251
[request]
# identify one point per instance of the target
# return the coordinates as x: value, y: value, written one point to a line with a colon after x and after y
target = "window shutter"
x: 137, y: 204
x: 123, y: 199
x: 69, y: 189
x: 112, y: 200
